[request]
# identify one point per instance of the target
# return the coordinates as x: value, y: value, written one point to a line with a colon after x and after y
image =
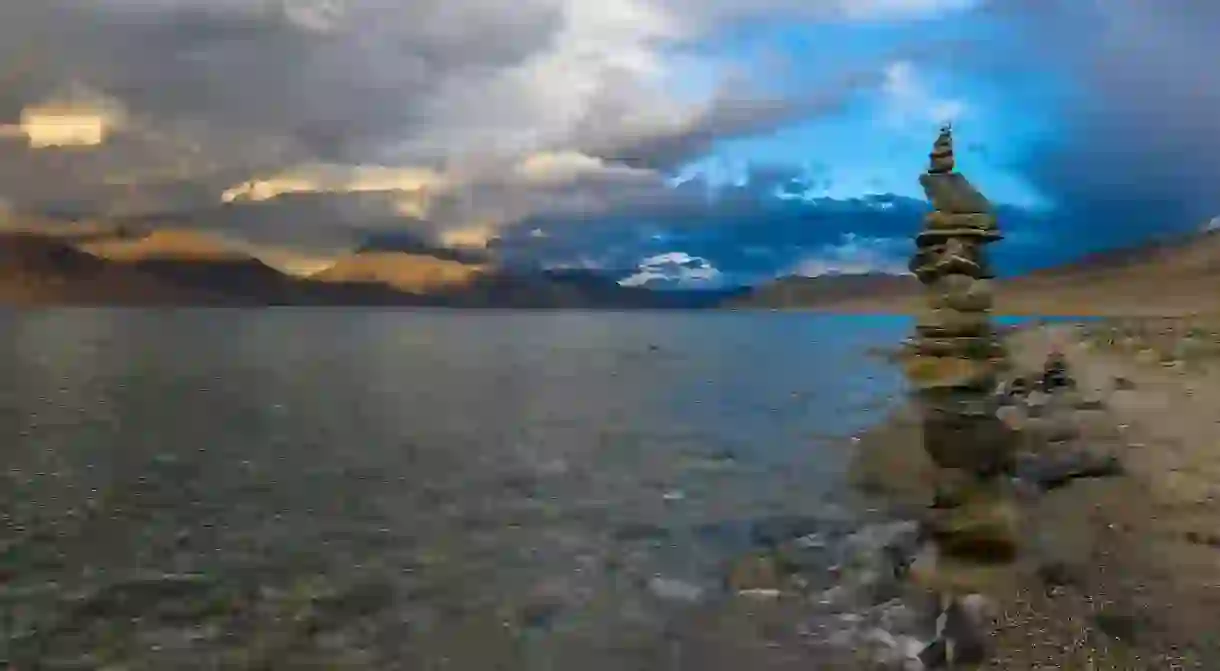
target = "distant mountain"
x: 1171, y: 276
x: 199, y: 261
x: 409, y: 272
x: 405, y: 241
x: 41, y: 270
x: 179, y: 267
x: 853, y: 292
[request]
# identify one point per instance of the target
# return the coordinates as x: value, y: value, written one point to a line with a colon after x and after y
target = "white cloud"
x: 910, y: 101
x: 855, y: 255
x: 906, y: 9
x: 677, y: 269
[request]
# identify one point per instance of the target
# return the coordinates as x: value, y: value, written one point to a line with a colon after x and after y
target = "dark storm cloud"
x: 242, y: 69
x: 726, y: 117
x: 1138, y: 147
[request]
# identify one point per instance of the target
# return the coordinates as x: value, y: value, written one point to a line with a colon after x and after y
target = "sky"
x: 672, y: 142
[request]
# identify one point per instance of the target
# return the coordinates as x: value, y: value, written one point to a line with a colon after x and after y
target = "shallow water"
x: 414, y: 489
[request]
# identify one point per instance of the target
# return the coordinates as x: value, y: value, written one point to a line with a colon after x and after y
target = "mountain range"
x: 92, y: 265
x: 104, y: 263
x: 1173, y: 275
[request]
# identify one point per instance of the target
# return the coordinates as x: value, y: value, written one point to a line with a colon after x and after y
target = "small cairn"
x: 953, y: 363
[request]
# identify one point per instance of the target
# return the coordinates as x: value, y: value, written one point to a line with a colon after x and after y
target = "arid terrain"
x: 1121, y: 571
x: 1172, y: 278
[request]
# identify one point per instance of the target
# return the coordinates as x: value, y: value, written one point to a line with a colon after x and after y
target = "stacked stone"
x: 953, y: 366
x: 951, y: 262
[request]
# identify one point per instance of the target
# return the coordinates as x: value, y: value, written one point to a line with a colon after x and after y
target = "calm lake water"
x: 190, y: 489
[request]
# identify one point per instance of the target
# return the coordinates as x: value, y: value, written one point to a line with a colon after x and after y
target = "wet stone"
x: 635, y: 532
x: 756, y: 572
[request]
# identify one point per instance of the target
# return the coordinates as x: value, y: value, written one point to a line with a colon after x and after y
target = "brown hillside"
x: 40, y: 270
x: 863, y: 292
x: 411, y: 273
x: 165, y: 244
x: 1167, y: 278
x: 199, y: 261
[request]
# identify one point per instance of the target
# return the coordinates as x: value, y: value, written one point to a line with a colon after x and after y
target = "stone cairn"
x: 953, y: 364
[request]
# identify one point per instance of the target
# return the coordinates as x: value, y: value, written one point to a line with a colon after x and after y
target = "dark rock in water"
x: 143, y: 594
x: 773, y: 531
x: 755, y: 573
x: 539, y: 615
x: 641, y: 532
x: 876, y: 559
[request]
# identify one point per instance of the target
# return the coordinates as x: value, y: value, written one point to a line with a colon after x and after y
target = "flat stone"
x: 756, y: 572
x: 942, y: 322
x: 978, y: 444
x: 951, y: 575
x: 983, y: 347
x: 939, y: 235
x: 945, y: 220
x: 984, y: 529
x: 953, y: 193
x: 931, y: 372
x: 941, y: 165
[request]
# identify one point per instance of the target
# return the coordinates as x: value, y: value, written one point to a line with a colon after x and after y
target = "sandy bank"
x: 1119, y: 572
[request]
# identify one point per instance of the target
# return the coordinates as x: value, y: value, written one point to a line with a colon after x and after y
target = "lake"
x: 343, y: 488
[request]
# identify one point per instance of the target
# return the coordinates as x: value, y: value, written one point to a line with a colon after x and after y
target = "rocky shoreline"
x: 1118, y: 482
x: 1117, y: 487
